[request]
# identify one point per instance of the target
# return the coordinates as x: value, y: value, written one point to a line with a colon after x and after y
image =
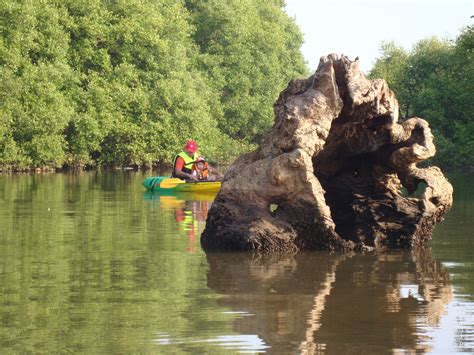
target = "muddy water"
x: 92, y: 263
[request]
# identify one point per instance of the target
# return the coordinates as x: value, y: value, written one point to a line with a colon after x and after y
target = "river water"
x: 92, y: 263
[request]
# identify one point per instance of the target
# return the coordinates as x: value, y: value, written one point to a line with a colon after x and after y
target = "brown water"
x: 91, y: 263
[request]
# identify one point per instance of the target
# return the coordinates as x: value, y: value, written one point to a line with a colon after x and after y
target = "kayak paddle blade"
x: 170, y: 183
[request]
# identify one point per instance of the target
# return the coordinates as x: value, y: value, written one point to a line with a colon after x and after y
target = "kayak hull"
x: 153, y: 184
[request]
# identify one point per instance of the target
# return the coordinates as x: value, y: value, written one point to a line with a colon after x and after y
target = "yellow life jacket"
x: 188, y: 162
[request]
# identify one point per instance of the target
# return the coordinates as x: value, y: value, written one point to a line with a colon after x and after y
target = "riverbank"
x: 162, y: 170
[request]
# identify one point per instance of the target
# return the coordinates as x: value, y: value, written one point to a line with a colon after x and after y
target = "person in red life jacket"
x: 184, y: 161
x: 201, y: 169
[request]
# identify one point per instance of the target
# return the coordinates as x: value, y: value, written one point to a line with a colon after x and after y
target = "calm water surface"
x: 91, y: 263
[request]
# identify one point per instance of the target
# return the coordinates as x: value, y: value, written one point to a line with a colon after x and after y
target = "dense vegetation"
x: 114, y: 83
x: 435, y: 81
x: 126, y: 83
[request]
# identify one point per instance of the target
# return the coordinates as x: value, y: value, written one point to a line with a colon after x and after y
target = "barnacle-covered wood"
x: 329, y: 174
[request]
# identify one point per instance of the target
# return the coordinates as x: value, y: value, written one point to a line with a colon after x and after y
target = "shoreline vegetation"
x: 435, y: 81
x: 166, y: 169
x: 95, y: 84
x: 122, y: 85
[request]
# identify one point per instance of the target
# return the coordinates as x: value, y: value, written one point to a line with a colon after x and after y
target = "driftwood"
x: 329, y: 174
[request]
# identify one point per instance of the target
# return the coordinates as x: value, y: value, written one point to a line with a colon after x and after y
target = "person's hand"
x: 192, y: 177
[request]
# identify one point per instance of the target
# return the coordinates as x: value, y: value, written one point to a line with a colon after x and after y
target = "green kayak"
x: 163, y: 183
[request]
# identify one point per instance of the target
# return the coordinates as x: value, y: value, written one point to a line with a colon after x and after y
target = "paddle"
x: 171, y: 182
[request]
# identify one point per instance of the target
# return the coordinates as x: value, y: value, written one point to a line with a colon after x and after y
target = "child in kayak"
x: 201, y: 169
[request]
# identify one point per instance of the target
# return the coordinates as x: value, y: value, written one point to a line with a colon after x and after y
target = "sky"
x: 357, y: 27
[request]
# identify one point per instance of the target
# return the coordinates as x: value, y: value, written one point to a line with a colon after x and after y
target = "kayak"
x: 163, y: 183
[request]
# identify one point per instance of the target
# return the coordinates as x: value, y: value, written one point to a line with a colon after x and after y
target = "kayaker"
x: 184, y: 161
x: 201, y: 169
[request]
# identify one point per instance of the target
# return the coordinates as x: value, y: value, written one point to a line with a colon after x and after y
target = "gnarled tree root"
x: 329, y: 174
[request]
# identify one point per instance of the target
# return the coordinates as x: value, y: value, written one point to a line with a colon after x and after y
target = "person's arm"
x: 178, y: 170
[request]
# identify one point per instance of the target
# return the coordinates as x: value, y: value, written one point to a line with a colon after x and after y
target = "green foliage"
x: 392, y: 66
x: 250, y: 49
x: 34, y: 78
x: 435, y: 81
x: 112, y: 83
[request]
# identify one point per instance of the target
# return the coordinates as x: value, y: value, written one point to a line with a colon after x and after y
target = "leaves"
x: 127, y: 82
x: 435, y: 81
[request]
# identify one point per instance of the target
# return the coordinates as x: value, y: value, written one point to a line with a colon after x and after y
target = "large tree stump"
x: 333, y: 165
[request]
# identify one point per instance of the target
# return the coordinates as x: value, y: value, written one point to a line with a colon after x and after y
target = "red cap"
x: 200, y: 159
x: 190, y: 146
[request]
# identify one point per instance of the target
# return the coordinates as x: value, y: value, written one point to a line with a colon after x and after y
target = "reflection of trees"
x: 458, y: 230
x: 334, y: 303
x: 88, y: 265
